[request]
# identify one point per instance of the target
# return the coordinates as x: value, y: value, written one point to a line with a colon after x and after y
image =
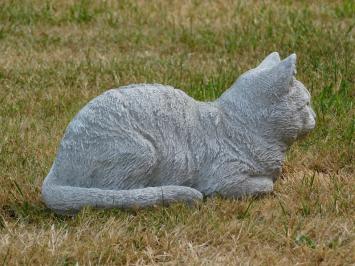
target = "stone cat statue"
x: 143, y: 144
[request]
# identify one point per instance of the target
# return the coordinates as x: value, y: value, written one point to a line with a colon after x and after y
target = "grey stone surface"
x: 148, y: 144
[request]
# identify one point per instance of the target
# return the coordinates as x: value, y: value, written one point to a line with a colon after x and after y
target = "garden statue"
x: 147, y: 144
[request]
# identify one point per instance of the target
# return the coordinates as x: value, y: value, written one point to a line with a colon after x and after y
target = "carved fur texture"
x: 147, y: 144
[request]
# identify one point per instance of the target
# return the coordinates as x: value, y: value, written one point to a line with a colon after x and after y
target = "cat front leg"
x: 243, y: 187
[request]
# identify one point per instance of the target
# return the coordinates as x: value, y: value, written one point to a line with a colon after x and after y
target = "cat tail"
x: 68, y: 200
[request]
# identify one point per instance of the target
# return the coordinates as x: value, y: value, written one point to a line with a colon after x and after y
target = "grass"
x: 57, y: 55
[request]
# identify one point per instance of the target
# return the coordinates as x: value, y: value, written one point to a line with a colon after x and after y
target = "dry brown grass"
x: 55, y: 56
x: 301, y: 223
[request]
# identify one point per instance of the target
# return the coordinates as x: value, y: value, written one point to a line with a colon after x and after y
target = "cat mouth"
x: 303, y: 135
x: 306, y: 132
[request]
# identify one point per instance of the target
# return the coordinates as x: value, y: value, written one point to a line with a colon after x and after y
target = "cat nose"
x: 313, y: 121
x: 314, y: 114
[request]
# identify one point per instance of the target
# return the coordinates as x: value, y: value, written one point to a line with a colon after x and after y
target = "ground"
x: 57, y: 55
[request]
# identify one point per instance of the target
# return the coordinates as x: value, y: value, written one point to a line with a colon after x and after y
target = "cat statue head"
x: 275, y: 104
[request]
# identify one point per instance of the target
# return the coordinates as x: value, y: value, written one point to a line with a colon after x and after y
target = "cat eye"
x: 307, y: 104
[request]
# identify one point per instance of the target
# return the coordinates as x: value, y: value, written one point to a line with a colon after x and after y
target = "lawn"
x: 57, y: 55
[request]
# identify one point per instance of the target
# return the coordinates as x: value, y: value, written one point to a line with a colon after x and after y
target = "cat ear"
x: 270, y: 61
x: 265, y: 84
x: 283, y: 73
